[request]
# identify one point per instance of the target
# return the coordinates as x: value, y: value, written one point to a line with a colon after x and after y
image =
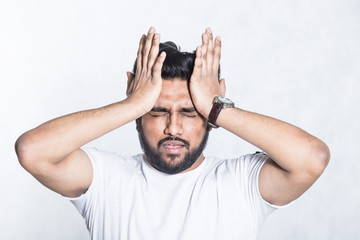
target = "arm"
x: 51, y: 152
x: 297, y: 158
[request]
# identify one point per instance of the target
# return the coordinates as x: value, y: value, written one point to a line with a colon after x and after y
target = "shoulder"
x: 110, y: 161
x: 240, y: 164
x: 253, y: 161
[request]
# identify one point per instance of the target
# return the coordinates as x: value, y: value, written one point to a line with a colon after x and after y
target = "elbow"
x: 24, y: 151
x: 319, y: 158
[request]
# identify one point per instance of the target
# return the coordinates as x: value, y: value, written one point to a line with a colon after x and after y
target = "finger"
x: 156, y: 70
x: 210, y: 35
x: 222, y: 87
x: 198, y: 64
x: 217, y: 53
x: 204, y: 45
x: 139, y: 53
x: 154, y: 50
x: 210, y: 48
x: 147, y: 46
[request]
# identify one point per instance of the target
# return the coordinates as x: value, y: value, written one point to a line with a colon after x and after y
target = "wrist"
x: 219, y: 104
x: 205, y: 107
x: 137, y: 106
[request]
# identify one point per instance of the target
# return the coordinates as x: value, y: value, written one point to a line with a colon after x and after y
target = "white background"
x: 298, y: 61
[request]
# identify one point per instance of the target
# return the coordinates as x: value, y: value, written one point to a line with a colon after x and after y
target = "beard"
x: 157, y: 161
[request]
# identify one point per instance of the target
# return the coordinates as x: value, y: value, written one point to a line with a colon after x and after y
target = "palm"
x: 144, y: 88
x: 204, y: 83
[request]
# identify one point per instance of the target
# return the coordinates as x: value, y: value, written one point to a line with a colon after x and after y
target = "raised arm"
x: 297, y: 158
x: 51, y: 152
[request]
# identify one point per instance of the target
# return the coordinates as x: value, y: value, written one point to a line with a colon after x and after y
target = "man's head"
x: 173, y: 134
x: 177, y: 64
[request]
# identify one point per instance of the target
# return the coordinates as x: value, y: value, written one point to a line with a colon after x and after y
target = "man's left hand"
x: 204, y: 82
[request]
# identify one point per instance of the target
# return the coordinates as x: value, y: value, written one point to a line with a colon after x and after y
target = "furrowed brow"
x: 159, y: 109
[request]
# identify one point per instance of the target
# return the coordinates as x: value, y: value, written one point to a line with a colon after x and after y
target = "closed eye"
x: 158, y: 111
x: 191, y: 115
x: 189, y: 112
x: 157, y: 114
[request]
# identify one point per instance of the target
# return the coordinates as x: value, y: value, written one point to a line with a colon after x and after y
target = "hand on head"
x: 145, y: 86
x: 204, y: 82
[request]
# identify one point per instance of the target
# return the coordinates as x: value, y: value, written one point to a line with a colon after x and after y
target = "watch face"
x: 225, y: 101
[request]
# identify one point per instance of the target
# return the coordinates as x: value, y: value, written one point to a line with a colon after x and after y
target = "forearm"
x: 57, y: 138
x: 290, y: 147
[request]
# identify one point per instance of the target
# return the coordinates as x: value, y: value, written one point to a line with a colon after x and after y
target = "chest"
x: 203, y: 208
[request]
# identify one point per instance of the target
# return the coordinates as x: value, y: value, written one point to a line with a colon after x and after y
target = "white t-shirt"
x: 129, y: 199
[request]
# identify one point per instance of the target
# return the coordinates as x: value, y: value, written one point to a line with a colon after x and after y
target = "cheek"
x: 152, y: 126
x: 195, y: 128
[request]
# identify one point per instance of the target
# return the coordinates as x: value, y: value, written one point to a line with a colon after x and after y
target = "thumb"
x: 197, y: 65
x: 156, y: 71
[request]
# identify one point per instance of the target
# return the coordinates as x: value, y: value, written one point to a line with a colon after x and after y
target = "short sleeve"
x: 86, y: 201
x: 112, y: 174
x: 247, y: 170
x: 106, y: 167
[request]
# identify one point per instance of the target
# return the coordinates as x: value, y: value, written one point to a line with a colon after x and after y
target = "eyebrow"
x: 162, y: 109
x: 159, y: 109
x: 189, y: 110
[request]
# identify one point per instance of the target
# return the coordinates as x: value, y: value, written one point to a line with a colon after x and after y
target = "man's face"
x: 173, y: 134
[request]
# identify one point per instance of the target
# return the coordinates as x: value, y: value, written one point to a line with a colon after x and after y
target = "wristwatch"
x: 219, y: 103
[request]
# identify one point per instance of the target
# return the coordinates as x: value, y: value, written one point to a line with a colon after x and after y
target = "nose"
x: 174, y: 125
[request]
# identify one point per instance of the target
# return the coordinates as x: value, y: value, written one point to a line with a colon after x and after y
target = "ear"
x: 130, y: 77
x: 138, y: 122
x: 222, y: 87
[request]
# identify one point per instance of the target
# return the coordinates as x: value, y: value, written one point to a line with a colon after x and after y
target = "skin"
x: 51, y: 152
x: 174, y: 115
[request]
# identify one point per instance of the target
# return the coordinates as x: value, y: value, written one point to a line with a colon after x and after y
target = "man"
x: 173, y: 191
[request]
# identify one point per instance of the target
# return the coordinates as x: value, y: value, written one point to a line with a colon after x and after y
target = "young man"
x: 172, y: 191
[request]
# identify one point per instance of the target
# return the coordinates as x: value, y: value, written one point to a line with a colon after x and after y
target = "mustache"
x: 161, y: 142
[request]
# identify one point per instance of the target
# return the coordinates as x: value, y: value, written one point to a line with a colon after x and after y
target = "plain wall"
x: 298, y: 61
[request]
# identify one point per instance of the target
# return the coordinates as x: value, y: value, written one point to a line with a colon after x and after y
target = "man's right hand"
x: 52, y: 151
x: 144, y: 88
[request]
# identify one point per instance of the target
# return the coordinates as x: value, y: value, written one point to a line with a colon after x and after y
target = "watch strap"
x: 214, y: 113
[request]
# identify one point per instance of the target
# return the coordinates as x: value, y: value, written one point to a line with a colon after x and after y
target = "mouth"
x: 173, y: 147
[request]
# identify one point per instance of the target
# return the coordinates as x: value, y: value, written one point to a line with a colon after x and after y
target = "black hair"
x: 177, y: 64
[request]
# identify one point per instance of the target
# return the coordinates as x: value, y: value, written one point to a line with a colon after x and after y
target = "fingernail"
x: 156, y: 36
x: 206, y: 36
x: 218, y: 38
x: 162, y: 53
x: 151, y: 30
x: 208, y: 30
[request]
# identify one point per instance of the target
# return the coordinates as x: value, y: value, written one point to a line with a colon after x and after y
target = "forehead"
x: 174, y: 92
